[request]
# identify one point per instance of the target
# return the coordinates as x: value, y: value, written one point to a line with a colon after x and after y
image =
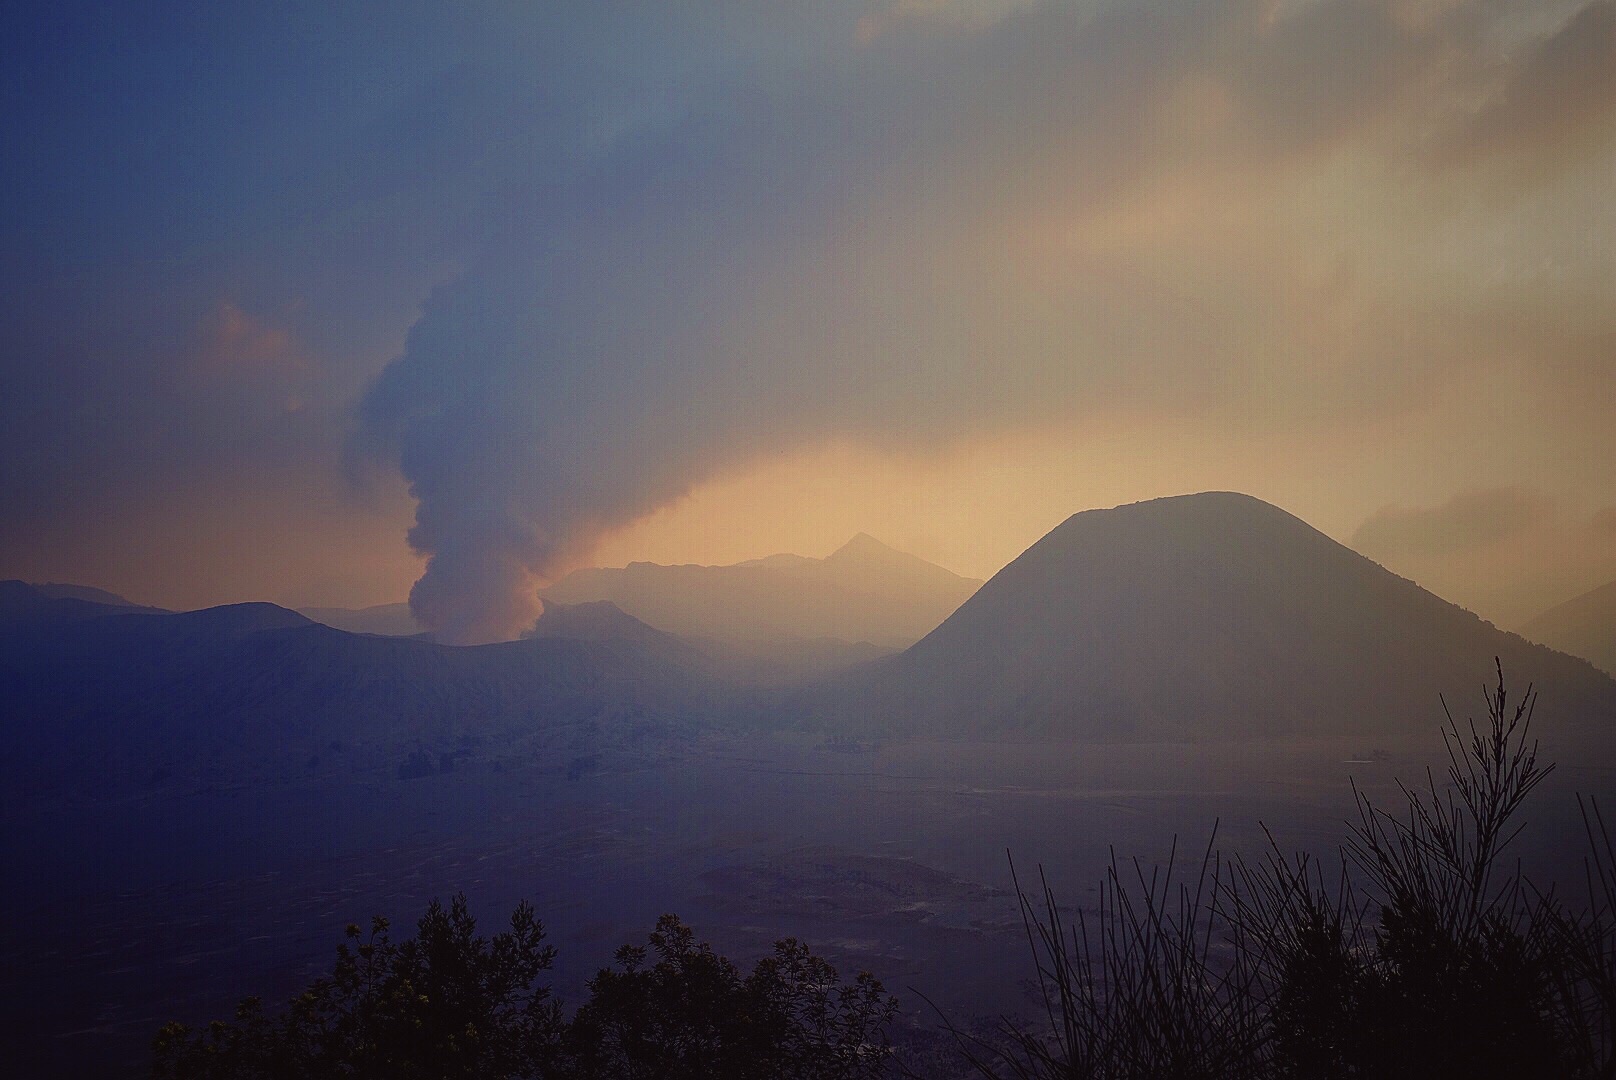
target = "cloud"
x: 921, y: 16
x: 1062, y: 212
x: 1508, y: 553
x: 661, y: 244
x: 231, y: 344
x: 183, y: 447
x: 1468, y: 520
x: 1551, y: 98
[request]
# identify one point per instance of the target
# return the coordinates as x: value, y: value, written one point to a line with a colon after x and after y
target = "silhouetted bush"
x: 446, y: 1003
x: 692, y: 1015
x: 1423, y: 956
x: 450, y: 1004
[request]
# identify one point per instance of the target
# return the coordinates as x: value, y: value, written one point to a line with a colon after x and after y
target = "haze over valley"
x: 1139, y: 671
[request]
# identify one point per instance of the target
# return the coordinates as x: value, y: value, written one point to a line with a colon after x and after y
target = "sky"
x: 334, y: 304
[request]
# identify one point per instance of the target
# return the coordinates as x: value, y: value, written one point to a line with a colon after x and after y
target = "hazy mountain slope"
x: 1199, y: 616
x: 111, y: 702
x: 1584, y: 626
x: 392, y: 620
x: 865, y: 591
x: 768, y: 663
x: 25, y: 604
x: 57, y: 590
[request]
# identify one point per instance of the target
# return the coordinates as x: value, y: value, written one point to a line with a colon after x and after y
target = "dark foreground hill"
x: 98, y: 701
x: 1584, y: 626
x: 1198, y: 617
x: 862, y: 592
x: 391, y: 620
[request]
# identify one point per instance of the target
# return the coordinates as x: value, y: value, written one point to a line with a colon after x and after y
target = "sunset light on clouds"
x: 701, y: 282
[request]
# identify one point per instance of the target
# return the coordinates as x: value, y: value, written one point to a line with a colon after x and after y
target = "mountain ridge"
x: 865, y: 591
x: 246, y: 693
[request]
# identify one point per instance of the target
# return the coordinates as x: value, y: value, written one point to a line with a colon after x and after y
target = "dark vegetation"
x: 450, y: 1003
x: 1424, y: 954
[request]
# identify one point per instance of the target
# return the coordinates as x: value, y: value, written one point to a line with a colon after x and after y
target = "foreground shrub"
x: 446, y: 1003
x: 451, y: 1004
x: 692, y: 1015
x: 1422, y: 955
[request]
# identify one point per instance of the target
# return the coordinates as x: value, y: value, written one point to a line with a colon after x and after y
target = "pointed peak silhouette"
x: 865, y: 546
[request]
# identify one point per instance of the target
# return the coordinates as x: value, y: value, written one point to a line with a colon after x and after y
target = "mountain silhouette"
x: 1200, y: 616
x: 99, y: 700
x: 60, y: 591
x: 865, y: 591
x: 602, y: 620
x: 1584, y: 626
x: 24, y: 604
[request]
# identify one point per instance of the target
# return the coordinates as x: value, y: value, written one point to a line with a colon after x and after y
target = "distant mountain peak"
x: 865, y: 546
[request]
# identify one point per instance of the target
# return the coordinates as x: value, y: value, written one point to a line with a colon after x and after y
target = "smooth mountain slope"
x: 763, y: 664
x: 1203, y: 616
x: 863, y: 592
x: 1584, y: 626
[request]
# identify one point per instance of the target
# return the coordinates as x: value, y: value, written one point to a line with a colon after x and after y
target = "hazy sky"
x: 566, y: 283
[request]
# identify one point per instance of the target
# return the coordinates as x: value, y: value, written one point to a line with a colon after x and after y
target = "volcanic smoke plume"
x: 948, y: 226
